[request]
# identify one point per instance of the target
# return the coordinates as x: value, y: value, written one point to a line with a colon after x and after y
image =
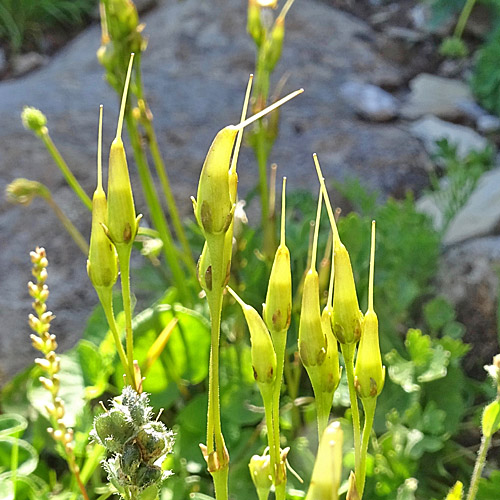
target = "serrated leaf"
x: 436, y: 365
x: 418, y: 347
x: 401, y: 372
x: 491, y: 419
x: 407, y: 490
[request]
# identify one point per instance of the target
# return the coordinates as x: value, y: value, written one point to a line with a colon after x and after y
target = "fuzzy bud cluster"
x: 137, y: 443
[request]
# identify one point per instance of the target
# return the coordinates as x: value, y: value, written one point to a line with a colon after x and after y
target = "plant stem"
x: 323, y: 406
x: 124, y: 252
x: 106, y: 298
x: 155, y: 209
x: 160, y: 167
x: 369, y: 405
x: 464, y: 16
x: 348, y: 353
x: 68, y: 225
x: 68, y: 175
x: 478, y: 467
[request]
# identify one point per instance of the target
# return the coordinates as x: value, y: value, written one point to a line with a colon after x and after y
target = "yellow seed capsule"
x: 213, y: 207
x: 346, y: 320
x: 278, y: 307
x: 312, y: 342
x: 369, y: 374
x: 122, y: 220
x: 262, y: 350
x: 102, y: 263
x: 327, y: 470
x: 456, y: 492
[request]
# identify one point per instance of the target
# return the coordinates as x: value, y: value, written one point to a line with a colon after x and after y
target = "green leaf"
x: 437, y: 365
x: 438, y: 312
x: 407, y: 490
x: 491, y: 419
x: 27, y: 455
x: 27, y: 487
x: 96, y: 369
x: 401, y: 372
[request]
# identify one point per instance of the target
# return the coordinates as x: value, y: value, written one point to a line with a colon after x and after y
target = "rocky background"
x: 376, y: 99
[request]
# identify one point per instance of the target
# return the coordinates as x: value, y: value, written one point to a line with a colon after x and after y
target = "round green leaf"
x: 491, y: 419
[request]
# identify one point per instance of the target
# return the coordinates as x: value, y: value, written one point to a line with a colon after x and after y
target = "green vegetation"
x: 389, y: 415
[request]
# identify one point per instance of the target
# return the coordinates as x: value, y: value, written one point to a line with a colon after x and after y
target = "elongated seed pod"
x: 102, y: 265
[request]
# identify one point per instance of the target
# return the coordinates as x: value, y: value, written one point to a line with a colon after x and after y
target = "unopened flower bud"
x: 254, y: 23
x: 346, y: 320
x: 43, y: 363
x: 456, y: 492
x: 275, y: 43
x: 34, y: 120
x: 24, y: 191
x: 327, y: 470
x: 330, y: 369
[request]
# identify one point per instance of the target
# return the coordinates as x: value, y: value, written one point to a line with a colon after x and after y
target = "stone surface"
x: 195, y: 72
x: 436, y: 95
x: 488, y: 124
x: 370, y: 101
x: 468, y: 277
x: 430, y: 129
x: 24, y: 63
x: 481, y: 214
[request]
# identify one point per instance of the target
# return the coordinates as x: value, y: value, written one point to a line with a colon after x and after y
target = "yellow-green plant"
x: 45, y: 342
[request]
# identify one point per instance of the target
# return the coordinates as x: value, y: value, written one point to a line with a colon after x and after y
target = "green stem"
x: 106, y: 298
x: 68, y: 175
x: 267, y: 397
x: 323, y: 406
x: 369, y: 405
x: 464, y: 16
x: 478, y: 467
x: 124, y: 252
x: 348, y: 353
x: 160, y: 167
x: 68, y: 225
x: 155, y: 209
x: 279, y: 341
x: 14, y: 461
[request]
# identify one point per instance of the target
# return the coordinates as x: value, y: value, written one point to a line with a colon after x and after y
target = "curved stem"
x: 464, y: 16
x: 63, y: 166
x: 348, y: 353
x: 369, y: 405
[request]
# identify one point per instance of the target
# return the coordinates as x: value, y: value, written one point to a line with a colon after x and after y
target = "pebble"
x: 369, y: 101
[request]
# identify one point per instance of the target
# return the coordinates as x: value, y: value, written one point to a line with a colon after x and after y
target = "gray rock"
x: 3, y: 61
x: 193, y: 91
x: 468, y: 277
x: 24, y: 63
x: 488, y: 124
x: 370, y: 101
x: 430, y: 129
x: 435, y: 95
x: 427, y: 204
x: 481, y: 214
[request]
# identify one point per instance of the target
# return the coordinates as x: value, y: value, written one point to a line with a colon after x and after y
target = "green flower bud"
x: 260, y: 472
x: 130, y: 459
x: 34, y: 120
x: 24, y: 191
x: 346, y: 320
x: 147, y: 475
x: 278, y: 307
x: 151, y: 440
x: 327, y: 472
x: 262, y: 350
x: 122, y: 18
x: 275, y: 43
x: 312, y: 341
x: 113, y: 429
x: 213, y: 207
x: 369, y: 373
x: 254, y: 24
